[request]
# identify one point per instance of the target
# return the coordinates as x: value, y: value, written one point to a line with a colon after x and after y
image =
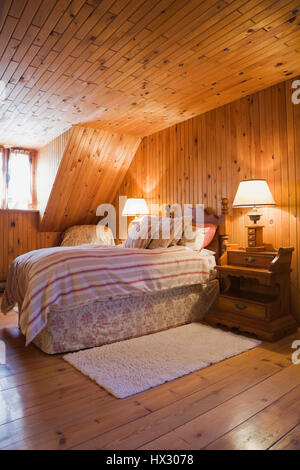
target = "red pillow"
x: 209, y: 235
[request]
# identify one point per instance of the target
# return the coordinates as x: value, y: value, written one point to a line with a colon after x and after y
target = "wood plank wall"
x: 49, y: 158
x: 92, y: 168
x: 19, y: 234
x: 204, y: 158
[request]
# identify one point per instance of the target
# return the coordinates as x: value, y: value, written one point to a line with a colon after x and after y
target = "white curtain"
x: 19, y: 194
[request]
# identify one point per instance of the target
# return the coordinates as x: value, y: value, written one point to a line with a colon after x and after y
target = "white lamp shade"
x: 252, y: 193
x: 135, y: 206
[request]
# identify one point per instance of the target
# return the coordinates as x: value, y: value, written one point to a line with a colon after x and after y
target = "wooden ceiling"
x: 136, y: 66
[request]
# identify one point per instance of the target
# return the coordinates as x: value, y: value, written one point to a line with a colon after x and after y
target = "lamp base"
x: 255, y: 238
x: 254, y: 215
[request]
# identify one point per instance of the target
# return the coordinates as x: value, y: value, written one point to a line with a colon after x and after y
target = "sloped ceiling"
x: 92, y: 168
x: 139, y: 66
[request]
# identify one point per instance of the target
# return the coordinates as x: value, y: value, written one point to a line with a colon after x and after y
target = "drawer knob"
x: 241, y: 306
x: 249, y: 259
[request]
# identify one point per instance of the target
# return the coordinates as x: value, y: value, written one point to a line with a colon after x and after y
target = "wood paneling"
x: 19, y: 234
x: 92, y: 168
x: 136, y: 66
x: 204, y: 158
x: 48, y: 161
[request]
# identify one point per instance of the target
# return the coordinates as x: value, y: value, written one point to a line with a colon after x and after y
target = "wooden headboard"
x: 223, y: 222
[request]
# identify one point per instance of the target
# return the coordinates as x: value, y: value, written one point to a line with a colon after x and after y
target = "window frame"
x: 4, y: 173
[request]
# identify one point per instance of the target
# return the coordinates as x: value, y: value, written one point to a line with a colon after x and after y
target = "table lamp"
x: 135, y: 207
x: 254, y: 193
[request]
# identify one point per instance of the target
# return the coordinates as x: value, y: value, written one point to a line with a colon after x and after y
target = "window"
x: 16, y: 183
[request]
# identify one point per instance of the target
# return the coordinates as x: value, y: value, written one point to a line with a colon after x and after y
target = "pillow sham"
x: 210, y: 234
x: 139, y: 235
x: 87, y: 235
x: 194, y: 238
x: 168, y: 232
x: 198, y: 238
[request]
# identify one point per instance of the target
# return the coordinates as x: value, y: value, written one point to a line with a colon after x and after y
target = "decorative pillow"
x: 168, y: 232
x: 198, y: 238
x: 186, y: 220
x: 88, y: 234
x: 209, y: 234
x: 194, y: 237
x: 139, y: 235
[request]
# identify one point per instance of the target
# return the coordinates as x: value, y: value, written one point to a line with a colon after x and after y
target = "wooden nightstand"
x: 255, y: 293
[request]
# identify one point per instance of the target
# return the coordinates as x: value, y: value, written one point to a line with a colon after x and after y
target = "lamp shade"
x: 252, y: 193
x: 135, y: 206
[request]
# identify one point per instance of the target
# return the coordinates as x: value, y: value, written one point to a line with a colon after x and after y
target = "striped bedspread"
x: 66, y: 277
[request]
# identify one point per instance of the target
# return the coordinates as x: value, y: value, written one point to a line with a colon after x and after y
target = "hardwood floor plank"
x: 34, y: 397
x: 209, y: 426
x: 183, y: 411
x: 290, y: 441
x: 264, y: 429
x: 33, y: 376
x: 99, y: 418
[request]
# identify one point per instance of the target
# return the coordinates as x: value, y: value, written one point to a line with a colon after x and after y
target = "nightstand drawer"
x: 239, y: 258
x: 242, y: 307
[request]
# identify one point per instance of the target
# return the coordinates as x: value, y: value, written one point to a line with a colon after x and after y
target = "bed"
x: 84, y: 296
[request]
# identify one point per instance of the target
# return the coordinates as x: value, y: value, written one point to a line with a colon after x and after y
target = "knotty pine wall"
x: 19, y: 234
x: 49, y: 158
x: 204, y: 158
x: 92, y: 167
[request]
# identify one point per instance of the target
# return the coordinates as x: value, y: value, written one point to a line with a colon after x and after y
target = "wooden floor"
x: 251, y: 401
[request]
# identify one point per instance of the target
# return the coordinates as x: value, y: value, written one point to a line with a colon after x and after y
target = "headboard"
x: 223, y: 222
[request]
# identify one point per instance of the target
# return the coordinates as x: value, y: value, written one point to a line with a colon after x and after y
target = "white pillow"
x: 194, y: 238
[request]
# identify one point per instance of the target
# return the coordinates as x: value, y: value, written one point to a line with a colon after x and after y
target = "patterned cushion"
x: 87, y: 235
x: 139, y: 235
x: 167, y: 233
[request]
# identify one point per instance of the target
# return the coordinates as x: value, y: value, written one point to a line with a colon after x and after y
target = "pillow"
x: 194, y: 237
x: 200, y: 236
x: 168, y: 232
x: 209, y: 234
x: 87, y: 234
x: 139, y: 235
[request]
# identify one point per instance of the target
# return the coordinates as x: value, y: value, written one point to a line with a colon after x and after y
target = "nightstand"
x: 255, y: 293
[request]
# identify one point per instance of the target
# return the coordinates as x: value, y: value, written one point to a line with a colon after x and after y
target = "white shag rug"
x: 134, y: 365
